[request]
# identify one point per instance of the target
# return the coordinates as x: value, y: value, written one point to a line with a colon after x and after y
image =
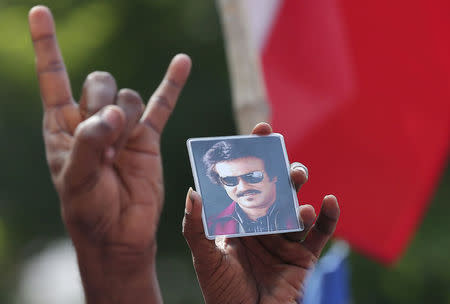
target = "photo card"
x: 245, y: 185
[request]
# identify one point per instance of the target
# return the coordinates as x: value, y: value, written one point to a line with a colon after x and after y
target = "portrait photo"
x: 245, y: 186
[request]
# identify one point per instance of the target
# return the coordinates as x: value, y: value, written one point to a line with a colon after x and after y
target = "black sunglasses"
x: 252, y: 178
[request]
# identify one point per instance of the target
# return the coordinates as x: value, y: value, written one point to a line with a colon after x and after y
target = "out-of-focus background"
x: 134, y: 41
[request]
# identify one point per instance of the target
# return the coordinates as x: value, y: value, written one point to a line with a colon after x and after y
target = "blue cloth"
x: 329, y: 282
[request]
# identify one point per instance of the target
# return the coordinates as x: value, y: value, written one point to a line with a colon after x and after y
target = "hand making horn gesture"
x: 105, y: 162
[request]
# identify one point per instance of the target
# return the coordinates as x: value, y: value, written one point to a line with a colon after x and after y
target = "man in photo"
x: 250, y: 178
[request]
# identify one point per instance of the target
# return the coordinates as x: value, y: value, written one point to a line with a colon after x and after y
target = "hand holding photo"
x: 245, y: 185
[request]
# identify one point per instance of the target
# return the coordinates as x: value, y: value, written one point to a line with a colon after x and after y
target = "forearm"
x: 118, y: 277
x: 139, y: 288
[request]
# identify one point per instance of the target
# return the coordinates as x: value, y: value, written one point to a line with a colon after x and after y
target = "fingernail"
x: 300, y: 166
x: 330, y: 196
x: 112, y: 117
x: 189, y: 201
x: 330, y: 210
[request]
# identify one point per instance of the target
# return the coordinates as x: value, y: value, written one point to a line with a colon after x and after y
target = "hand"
x: 259, y: 269
x: 104, y: 158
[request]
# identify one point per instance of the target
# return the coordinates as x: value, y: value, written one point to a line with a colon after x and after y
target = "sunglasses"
x: 251, y: 178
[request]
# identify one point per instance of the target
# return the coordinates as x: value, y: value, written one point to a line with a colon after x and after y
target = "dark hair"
x: 228, y: 150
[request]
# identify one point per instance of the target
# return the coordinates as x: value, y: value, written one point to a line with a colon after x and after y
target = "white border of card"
x: 273, y: 149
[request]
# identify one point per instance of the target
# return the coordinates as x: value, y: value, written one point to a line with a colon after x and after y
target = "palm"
x: 103, y: 153
x: 270, y: 277
x: 261, y: 269
x: 251, y: 272
x: 126, y: 200
x: 133, y: 186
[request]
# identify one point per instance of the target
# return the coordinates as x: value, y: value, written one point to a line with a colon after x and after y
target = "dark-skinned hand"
x: 104, y: 158
x: 266, y: 269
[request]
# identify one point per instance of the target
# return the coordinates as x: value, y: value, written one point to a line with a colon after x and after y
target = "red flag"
x: 361, y: 92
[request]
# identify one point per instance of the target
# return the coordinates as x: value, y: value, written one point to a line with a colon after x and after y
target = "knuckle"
x: 185, y: 226
x: 299, y: 167
x: 172, y: 83
x: 74, y: 186
x: 99, y: 90
x: 89, y: 131
x: 326, y: 228
x: 85, y: 136
x: 102, y: 96
x: 100, y: 76
x: 55, y: 164
x: 162, y: 101
x: 313, y: 261
x: 129, y: 96
x: 51, y: 66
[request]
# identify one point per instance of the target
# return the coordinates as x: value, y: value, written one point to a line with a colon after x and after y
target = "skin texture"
x: 104, y: 158
x: 259, y: 269
x: 254, y: 199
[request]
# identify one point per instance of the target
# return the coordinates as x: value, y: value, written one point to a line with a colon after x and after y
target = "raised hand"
x: 259, y: 269
x: 104, y: 158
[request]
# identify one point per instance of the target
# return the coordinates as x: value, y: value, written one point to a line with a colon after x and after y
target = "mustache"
x: 251, y: 191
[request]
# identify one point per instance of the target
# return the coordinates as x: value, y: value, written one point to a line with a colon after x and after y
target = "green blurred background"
x: 134, y: 41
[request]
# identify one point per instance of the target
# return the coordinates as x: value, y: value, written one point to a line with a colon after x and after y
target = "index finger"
x: 53, y: 80
x: 262, y: 128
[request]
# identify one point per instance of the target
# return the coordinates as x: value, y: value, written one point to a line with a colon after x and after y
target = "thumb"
x: 204, y: 252
x: 93, y: 146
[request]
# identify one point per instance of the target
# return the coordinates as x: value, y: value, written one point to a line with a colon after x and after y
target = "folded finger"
x: 262, y: 128
x: 131, y: 103
x: 93, y: 145
x: 299, y: 175
x: 307, y: 215
x: 163, y: 101
x: 99, y: 90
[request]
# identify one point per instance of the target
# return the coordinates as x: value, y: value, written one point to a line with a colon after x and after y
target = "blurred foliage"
x: 134, y: 41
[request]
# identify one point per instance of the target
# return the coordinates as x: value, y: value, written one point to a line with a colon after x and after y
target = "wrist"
x: 118, y: 275
x: 142, y: 287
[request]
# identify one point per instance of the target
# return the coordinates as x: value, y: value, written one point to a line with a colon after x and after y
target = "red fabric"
x: 361, y: 92
x: 231, y: 226
x: 228, y: 227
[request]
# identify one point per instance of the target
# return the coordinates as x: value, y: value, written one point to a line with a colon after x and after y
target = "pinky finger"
x: 163, y: 101
x: 324, y: 226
